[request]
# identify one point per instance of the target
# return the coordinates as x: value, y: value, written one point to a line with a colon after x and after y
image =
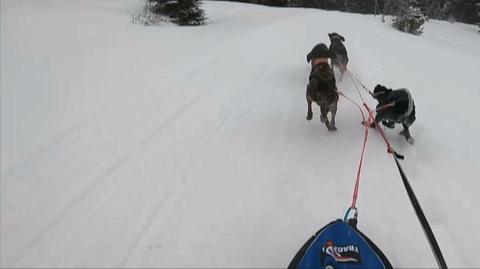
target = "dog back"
x: 322, y: 84
x: 338, y: 50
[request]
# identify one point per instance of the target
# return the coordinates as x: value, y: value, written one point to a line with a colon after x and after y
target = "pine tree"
x: 461, y: 10
x: 436, y: 9
x: 410, y: 21
x: 276, y: 3
x: 189, y: 13
x: 478, y: 15
x: 181, y: 12
x: 394, y: 7
x: 363, y: 6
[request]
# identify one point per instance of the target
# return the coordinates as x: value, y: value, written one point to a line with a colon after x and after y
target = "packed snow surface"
x: 166, y: 146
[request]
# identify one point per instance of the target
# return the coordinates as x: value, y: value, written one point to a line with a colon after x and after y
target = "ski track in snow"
x: 126, y: 156
x: 211, y: 155
x: 222, y: 119
x: 109, y: 170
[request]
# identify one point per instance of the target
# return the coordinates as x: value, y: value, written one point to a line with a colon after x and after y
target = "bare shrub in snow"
x: 146, y: 17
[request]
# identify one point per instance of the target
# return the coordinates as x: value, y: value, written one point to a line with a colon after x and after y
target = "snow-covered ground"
x: 132, y: 146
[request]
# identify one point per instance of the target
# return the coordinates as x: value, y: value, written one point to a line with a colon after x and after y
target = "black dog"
x: 321, y: 87
x: 395, y: 106
x: 338, y: 52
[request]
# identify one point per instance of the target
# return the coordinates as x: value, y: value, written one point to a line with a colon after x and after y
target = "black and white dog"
x: 395, y: 106
x: 338, y: 52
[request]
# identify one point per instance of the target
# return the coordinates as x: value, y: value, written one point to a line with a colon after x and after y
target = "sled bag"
x: 339, y: 245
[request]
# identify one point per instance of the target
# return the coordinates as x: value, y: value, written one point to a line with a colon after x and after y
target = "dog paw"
x: 309, y: 117
x: 332, y: 129
x: 411, y: 141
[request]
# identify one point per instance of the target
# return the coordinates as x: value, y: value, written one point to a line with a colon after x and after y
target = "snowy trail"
x: 181, y: 157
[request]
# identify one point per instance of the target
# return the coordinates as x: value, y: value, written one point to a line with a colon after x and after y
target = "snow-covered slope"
x: 132, y: 146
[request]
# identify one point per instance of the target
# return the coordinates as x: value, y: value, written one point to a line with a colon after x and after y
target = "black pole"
x: 422, y: 219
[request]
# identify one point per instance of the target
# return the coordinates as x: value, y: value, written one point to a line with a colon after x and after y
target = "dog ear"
x: 340, y: 37
x: 333, y: 35
x: 378, y: 89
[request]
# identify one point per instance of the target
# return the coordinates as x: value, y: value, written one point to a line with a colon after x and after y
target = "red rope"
x: 365, y: 139
x: 360, y: 164
x: 380, y: 130
x: 356, y: 87
x: 370, y: 113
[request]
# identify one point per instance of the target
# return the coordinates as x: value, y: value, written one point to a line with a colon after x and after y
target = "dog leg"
x: 333, y: 112
x: 323, y: 113
x: 309, y: 111
x: 405, y: 132
x: 407, y: 135
x: 341, y: 75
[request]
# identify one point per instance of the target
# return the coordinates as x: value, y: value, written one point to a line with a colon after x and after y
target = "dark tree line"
x: 458, y: 10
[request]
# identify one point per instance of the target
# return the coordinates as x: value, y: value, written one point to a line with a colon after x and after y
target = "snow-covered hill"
x: 132, y: 146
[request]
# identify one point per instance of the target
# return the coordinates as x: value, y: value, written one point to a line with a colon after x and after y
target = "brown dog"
x: 321, y: 87
x: 338, y: 52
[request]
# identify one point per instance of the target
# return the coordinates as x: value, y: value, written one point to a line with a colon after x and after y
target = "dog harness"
x: 410, y: 105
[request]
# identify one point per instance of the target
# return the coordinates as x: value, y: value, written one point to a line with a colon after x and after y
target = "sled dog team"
x: 394, y: 106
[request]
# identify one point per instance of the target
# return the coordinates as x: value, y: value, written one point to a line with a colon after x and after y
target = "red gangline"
x: 357, y: 181
x: 369, y: 110
x: 380, y: 129
x: 365, y: 139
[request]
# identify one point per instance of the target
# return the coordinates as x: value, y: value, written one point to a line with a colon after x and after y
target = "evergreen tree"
x: 436, y: 9
x: 364, y: 6
x: 478, y: 15
x: 395, y: 7
x: 181, y: 12
x: 189, y: 13
x: 275, y: 3
x: 461, y: 10
x: 410, y: 21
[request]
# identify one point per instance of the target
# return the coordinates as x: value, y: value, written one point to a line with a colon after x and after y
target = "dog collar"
x: 318, y: 61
